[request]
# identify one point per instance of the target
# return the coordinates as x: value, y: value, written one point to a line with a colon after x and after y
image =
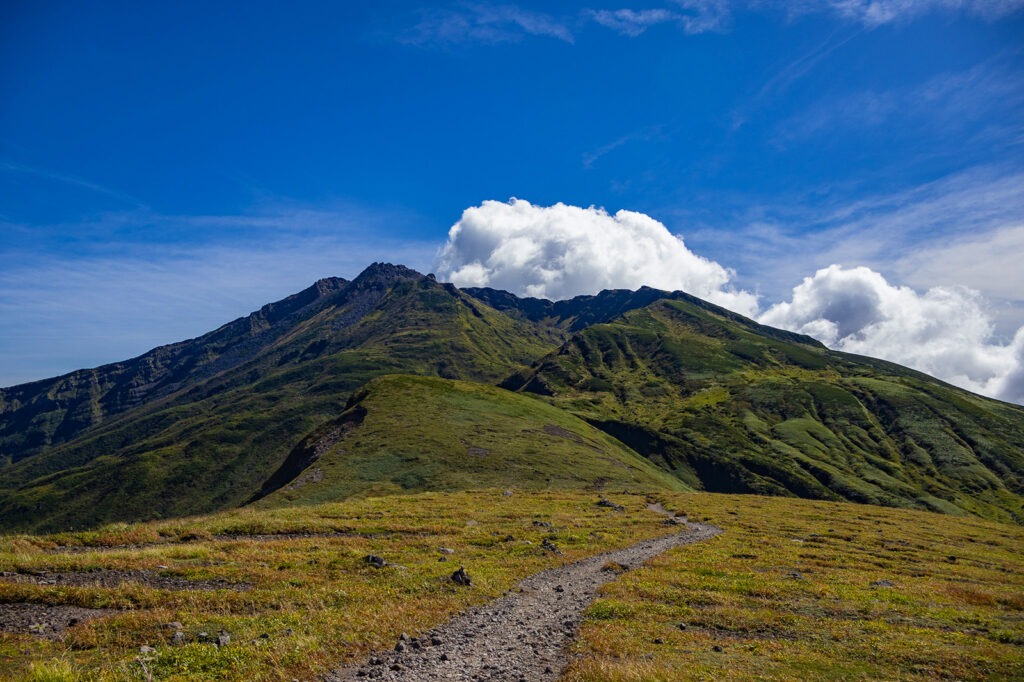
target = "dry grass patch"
x: 797, y: 589
x: 313, y: 601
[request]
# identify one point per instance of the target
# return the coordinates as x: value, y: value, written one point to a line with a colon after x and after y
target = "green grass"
x: 314, y: 602
x: 423, y: 433
x: 786, y: 593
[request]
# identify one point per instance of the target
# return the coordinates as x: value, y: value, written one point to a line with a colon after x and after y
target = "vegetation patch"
x: 315, y: 602
x: 795, y: 589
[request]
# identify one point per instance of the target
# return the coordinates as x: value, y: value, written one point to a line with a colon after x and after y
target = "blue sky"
x: 167, y: 167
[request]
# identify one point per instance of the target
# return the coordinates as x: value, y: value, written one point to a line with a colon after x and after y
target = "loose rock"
x: 460, y: 577
x: 375, y: 561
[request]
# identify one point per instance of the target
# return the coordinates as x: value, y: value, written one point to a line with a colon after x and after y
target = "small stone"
x: 681, y: 626
x: 375, y: 561
x: 404, y: 637
x: 658, y: 640
x: 396, y: 667
x: 146, y: 650
x: 550, y: 546
x: 460, y: 577
x: 223, y: 639
x: 174, y: 625
x: 162, y: 567
x: 400, y: 647
x: 178, y: 638
x: 444, y: 558
x: 72, y: 622
x: 559, y: 588
x: 507, y: 493
x: 446, y: 550
x: 882, y: 583
x: 716, y: 648
x: 436, y: 641
x: 443, y: 657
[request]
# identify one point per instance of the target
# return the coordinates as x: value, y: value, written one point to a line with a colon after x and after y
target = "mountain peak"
x: 386, y: 273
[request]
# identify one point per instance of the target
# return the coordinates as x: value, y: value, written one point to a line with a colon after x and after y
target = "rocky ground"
x: 523, y: 636
x: 111, y: 578
x: 44, y: 620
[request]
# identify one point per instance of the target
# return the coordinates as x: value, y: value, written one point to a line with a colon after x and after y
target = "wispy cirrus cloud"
x: 873, y: 13
x: 784, y: 79
x: 699, y: 16
x: 12, y: 168
x: 945, y: 104
x: 483, y: 23
x: 591, y: 157
x: 906, y: 234
x: 692, y: 16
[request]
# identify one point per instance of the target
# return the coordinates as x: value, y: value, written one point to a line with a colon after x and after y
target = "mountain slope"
x: 731, y: 406
x: 212, y: 443
x: 36, y: 415
x: 405, y: 434
x: 249, y: 412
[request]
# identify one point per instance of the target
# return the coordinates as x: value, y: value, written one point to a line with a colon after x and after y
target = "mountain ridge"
x: 716, y: 400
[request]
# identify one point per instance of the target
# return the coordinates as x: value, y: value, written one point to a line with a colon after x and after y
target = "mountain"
x: 200, y: 425
x: 729, y: 405
x: 45, y: 413
x: 394, y: 382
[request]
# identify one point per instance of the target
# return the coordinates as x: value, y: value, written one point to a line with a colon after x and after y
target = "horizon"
x: 853, y: 171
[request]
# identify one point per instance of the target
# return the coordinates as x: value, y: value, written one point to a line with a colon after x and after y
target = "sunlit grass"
x: 785, y: 593
x: 314, y: 602
x: 799, y: 590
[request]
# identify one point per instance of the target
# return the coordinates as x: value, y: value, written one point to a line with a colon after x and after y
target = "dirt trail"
x: 523, y: 636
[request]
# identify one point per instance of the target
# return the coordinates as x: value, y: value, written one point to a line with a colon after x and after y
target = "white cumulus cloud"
x: 561, y: 251
x: 946, y: 331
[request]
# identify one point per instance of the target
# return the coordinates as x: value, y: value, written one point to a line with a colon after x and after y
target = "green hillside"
x: 731, y: 406
x: 713, y: 399
x: 213, y: 443
x: 404, y: 434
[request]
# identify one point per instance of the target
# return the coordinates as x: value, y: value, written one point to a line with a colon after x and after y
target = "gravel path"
x: 523, y: 636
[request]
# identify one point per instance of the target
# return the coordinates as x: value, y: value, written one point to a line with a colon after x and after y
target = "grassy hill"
x: 213, y: 443
x: 792, y: 589
x: 404, y: 434
x: 732, y: 406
